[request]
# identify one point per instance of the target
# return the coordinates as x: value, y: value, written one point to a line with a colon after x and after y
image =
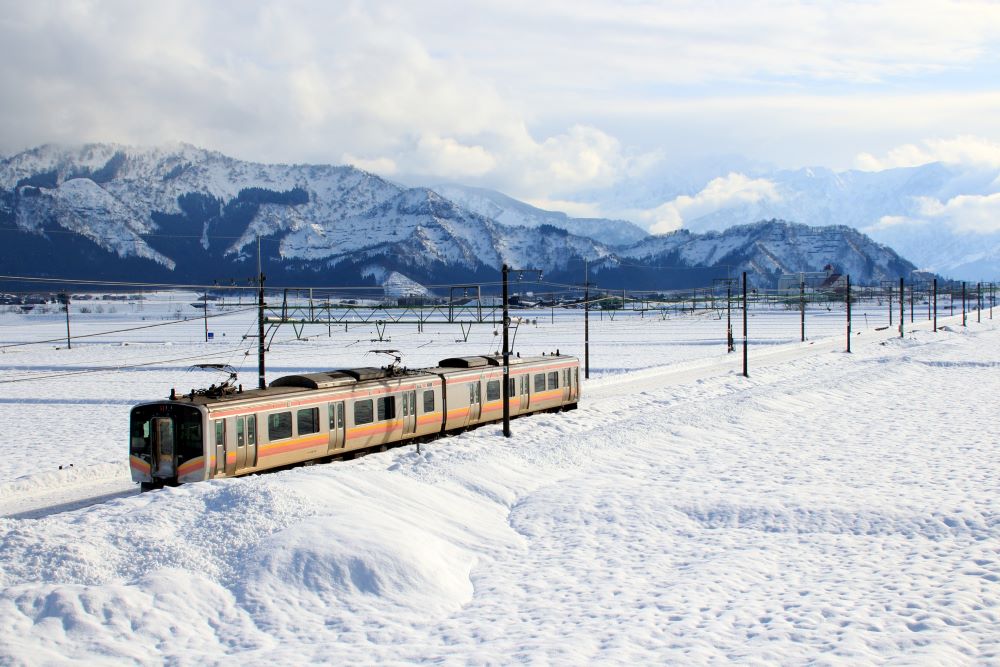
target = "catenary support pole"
x: 979, y: 303
x: 506, y: 357
x: 69, y: 341
x: 204, y: 310
x: 934, y: 299
x: 890, y: 305
x: 848, y: 312
x: 730, y: 344
x: 963, y: 303
x: 746, y: 370
x: 911, y: 301
x: 261, y: 383
x: 902, y: 305
x: 586, y: 319
x: 802, y: 310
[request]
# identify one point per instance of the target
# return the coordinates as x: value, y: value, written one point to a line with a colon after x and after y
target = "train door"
x: 251, y: 460
x: 475, y: 401
x: 163, y: 446
x: 524, y: 394
x: 336, y: 418
x: 220, y: 445
x: 230, y: 440
x: 241, y: 443
x: 409, y: 412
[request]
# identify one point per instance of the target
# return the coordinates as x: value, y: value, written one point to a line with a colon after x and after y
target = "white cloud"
x: 540, y: 98
x: 889, y: 221
x: 274, y: 82
x: 968, y: 214
x: 381, y: 166
x: 574, y: 209
x: 731, y: 190
x: 965, y: 149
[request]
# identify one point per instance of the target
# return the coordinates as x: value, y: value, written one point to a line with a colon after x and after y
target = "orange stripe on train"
x: 139, y: 465
x: 191, y: 466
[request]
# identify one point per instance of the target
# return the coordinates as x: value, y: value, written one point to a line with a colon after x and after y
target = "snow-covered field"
x: 831, y: 508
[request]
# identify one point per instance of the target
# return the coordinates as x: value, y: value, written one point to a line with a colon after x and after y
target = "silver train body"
x: 315, y: 416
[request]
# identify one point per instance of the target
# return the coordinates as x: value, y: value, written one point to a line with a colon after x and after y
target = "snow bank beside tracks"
x: 830, y: 508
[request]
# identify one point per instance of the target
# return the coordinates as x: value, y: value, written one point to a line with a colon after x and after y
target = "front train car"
x: 167, y: 444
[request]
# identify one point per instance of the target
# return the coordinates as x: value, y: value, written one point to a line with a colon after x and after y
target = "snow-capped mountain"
x: 513, y: 213
x: 768, y: 249
x: 183, y: 214
x: 906, y: 208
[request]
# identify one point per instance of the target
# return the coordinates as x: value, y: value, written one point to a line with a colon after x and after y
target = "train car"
x: 224, y: 432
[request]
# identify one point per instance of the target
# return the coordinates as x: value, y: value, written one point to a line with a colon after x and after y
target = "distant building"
x: 826, y: 280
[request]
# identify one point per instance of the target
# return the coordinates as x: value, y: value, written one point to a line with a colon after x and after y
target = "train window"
x: 475, y: 393
x: 406, y: 404
x: 252, y: 430
x: 554, y: 380
x: 413, y: 403
x: 340, y: 415
x: 493, y: 390
x: 220, y: 433
x: 240, y: 431
x: 386, y: 408
x: 307, y: 421
x: 429, y: 401
x: 363, y: 412
x: 279, y: 425
x: 512, y: 391
x: 525, y: 383
x: 331, y: 415
x: 140, y: 435
x: 540, y: 382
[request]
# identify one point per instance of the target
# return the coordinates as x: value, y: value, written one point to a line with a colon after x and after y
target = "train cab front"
x: 167, y: 444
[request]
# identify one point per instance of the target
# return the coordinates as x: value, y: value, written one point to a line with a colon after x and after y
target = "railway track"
x: 65, y: 491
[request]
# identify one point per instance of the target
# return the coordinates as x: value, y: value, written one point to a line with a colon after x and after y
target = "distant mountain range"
x: 939, y: 216
x: 183, y: 214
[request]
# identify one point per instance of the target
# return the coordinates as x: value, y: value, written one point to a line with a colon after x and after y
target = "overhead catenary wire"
x: 126, y: 330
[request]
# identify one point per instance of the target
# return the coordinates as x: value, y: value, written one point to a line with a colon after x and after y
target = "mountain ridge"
x: 187, y: 211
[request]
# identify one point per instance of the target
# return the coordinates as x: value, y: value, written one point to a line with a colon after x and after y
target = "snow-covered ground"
x: 830, y: 508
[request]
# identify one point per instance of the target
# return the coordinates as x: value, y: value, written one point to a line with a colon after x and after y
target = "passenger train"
x: 304, y: 418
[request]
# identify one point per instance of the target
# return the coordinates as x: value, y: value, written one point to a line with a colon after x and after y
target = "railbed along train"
x: 315, y: 416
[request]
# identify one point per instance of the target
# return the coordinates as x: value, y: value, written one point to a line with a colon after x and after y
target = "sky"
x: 542, y: 100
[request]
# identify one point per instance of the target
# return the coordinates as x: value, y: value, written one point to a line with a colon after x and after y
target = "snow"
x: 830, y: 508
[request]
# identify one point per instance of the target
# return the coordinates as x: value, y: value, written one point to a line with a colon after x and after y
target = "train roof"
x: 347, y: 377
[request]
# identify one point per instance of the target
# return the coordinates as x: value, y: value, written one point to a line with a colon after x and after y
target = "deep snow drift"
x: 832, y: 507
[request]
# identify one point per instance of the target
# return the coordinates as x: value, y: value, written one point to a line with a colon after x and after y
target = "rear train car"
x: 316, y: 416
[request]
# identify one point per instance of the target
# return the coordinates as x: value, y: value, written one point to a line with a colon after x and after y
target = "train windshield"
x: 165, y: 435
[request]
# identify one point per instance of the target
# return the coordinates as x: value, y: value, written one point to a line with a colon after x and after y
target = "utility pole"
x: 204, y: 303
x: 979, y: 303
